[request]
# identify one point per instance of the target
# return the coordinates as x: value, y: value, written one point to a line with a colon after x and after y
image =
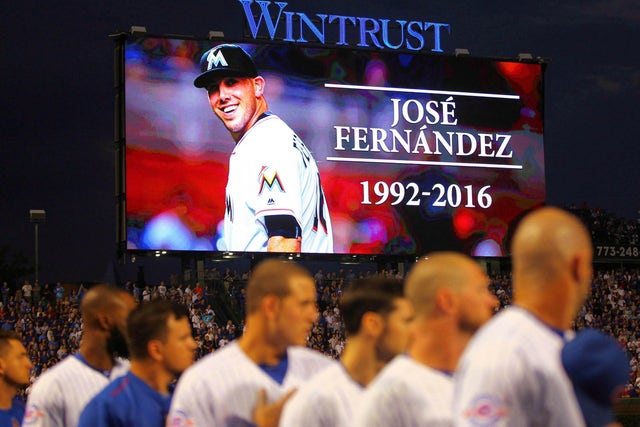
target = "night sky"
x: 56, y: 138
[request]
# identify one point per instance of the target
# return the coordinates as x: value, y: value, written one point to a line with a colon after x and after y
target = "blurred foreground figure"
x: 449, y: 293
x: 511, y: 373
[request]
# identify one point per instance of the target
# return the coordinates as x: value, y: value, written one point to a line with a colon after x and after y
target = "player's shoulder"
x: 308, y: 356
x: 228, y: 356
x: 57, y: 373
x: 512, y: 330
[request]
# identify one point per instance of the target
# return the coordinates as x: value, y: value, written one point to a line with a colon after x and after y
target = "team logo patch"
x: 216, y: 59
x: 33, y: 416
x: 180, y: 419
x: 269, y: 178
x: 486, y: 411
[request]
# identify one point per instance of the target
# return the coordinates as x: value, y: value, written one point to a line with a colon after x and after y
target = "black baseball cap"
x: 223, y: 61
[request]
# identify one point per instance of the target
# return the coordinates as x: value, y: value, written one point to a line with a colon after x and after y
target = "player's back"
x: 329, y: 399
x: 407, y: 393
x: 126, y: 401
x: 510, y: 374
x: 60, y: 394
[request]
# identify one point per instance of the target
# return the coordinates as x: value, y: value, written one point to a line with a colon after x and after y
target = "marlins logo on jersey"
x: 269, y: 178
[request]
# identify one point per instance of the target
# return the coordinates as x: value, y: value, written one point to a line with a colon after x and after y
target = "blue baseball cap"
x: 598, y: 368
x: 224, y: 60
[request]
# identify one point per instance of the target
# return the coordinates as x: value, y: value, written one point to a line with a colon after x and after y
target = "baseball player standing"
x: 223, y: 388
x: 274, y: 198
x: 161, y: 347
x: 376, y: 320
x: 60, y: 394
x: 450, y: 296
x: 511, y: 373
x: 15, y: 371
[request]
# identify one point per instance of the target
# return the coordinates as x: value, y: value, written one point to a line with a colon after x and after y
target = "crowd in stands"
x: 49, y: 321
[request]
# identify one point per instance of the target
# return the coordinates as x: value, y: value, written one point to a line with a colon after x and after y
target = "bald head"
x: 104, y: 299
x: 546, y: 242
x: 436, y: 271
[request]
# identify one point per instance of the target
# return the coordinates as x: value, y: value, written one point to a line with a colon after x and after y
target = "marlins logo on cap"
x: 222, y: 61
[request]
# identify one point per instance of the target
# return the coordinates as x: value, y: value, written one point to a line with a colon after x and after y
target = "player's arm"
x: 284, y: 233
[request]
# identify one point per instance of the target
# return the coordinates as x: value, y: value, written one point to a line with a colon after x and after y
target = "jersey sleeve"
x: 187, y: 409
x: 279, y: 185
x: 44, y: 405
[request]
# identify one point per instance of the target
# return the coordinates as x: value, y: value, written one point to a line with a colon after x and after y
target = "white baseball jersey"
x: 59, y: 395
x: 327, y: 400
x: 511, y: 374
x: 221, y: 389
x: 407, y: 393
x: 271, y: 172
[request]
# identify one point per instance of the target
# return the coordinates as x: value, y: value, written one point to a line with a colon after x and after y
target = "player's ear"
x: 258, y: 86
x: 372, y: 324
x: 104, y: 321
x: 270, y: 305
x: 154, y: 349
x: 445, y: 300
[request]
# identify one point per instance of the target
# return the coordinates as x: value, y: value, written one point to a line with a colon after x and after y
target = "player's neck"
x: 360, y: 361
x: 259, y: 350
x: 261, y: 108
x: 7, y: 393
x: 439, y: 345
x: 95, y: 354
x: 552, y: 309
x: 149, y: 372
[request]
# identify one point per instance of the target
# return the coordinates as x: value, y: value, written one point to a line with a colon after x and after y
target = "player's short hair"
x: 148, y: 322
x: 376, y: 295
x: 271, y: 277
x: 5, y: 340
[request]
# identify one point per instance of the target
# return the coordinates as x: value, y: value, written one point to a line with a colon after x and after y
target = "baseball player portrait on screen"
x: 274, y: 198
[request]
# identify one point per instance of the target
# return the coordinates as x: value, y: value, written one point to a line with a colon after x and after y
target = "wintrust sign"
x: 271, y: 19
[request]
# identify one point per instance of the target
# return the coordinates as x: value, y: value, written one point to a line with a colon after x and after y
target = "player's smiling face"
x: 237, y: 102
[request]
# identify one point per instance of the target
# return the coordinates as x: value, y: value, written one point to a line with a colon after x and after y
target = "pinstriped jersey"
x: 328, y: 400
x: 511, y: 374
x: 271, y: 172
x: 407, y: 393
x: 59, y: 395
x: 221, y: 389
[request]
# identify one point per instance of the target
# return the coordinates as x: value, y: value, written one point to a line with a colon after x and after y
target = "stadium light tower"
x: 37, y: 216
